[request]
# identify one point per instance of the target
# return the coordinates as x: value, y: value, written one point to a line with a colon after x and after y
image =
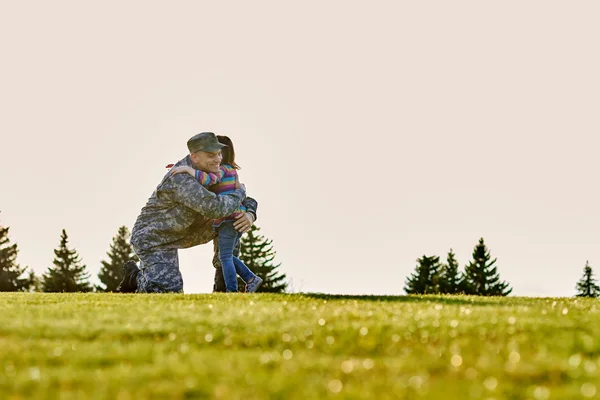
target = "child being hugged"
x: 223, y: 183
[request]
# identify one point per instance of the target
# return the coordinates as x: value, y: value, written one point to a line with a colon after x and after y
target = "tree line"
x: 69, y: 274
x: 480, y: 276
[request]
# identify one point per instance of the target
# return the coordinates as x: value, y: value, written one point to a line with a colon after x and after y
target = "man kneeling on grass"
x: 178, y: 215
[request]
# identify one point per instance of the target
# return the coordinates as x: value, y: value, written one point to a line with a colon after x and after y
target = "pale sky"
x: 371, y: 133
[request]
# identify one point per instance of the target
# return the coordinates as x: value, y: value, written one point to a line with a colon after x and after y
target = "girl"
x: 228, y: 238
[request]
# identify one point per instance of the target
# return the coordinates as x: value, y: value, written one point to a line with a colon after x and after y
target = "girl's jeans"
x: 228, y: 238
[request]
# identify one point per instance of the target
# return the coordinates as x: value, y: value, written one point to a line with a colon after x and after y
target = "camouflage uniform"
x: 178, y: 215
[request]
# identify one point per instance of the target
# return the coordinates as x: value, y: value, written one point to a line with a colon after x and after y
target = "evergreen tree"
x: 449, y: 275
x: 68, y: 274
x: 34, y: 282
x: 481, y: 277
x: 10, y: 271
x: 425, y: 279
x: 587, y: 287
x: 258, y: 255
x: 120, y: 251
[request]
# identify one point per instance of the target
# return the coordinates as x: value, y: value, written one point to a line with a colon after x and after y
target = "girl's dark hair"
x: 228, y: 151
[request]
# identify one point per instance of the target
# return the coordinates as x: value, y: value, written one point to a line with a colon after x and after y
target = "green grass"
x: 297, y: 347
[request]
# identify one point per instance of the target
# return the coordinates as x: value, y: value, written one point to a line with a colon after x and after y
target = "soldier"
x: 178, y: 215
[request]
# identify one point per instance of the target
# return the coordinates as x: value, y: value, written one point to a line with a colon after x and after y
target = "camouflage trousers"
x: 159, y: 272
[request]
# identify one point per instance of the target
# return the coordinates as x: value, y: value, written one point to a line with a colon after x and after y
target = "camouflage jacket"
x: 179, y: 213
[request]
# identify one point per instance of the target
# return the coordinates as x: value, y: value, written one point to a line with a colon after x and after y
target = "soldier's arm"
x: 251, y: 206
x: 181, y: 189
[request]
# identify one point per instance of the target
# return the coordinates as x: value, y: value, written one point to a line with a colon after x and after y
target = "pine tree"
x: 481, y: 277
x: 34, y: 282
x: 120, y: 251
x: 449, y: 275
x: 10, y: 271
x: 258, y: 255
x: 425, y: 279
x: 68, y: 274
x: 587, y: 287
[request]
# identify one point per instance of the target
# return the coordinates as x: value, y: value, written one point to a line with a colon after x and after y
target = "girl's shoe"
x: 254, y: 284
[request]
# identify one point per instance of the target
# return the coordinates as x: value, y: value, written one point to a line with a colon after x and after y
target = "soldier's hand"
x: 243, y: 222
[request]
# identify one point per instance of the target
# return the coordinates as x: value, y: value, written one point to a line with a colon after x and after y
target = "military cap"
x: 205, y: 141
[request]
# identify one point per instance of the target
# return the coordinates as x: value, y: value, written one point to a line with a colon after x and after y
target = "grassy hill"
x: 298, y: 346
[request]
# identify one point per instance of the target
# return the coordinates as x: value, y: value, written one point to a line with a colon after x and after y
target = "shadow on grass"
x: 454, y: 299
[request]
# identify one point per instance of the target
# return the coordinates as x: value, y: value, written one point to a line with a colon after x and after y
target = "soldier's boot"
x: 129, y: 282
